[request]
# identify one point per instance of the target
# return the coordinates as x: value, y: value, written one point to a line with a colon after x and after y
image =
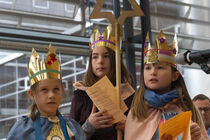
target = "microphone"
x: 200, y: 57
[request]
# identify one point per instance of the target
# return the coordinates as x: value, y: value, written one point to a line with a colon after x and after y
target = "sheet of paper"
x: 126, y: 90
x: 176, y: 125
x: 112, y: 92
x: 101, y: 94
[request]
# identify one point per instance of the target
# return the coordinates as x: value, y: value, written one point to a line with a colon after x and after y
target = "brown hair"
x: 139, y: 107
x: 201, y: 97
x: 90, y: 78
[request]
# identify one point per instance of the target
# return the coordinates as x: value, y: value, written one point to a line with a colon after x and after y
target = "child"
x: 102, y: 62
x: 46, y: 91
x: 162, y: 95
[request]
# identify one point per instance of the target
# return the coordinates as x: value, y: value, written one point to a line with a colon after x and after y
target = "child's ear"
x: 175, y: 75
x: 30, y: 94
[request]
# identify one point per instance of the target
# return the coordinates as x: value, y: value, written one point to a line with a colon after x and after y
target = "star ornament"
x: 51, y: 49
x: 100, y: 37
x: 162, y: 40
x: 125, y: 14
x: 49, y: 63
x: 53, y: 57
x: 146, y: 44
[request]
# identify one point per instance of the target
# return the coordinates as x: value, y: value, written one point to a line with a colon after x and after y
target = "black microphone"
x: 200, y: 57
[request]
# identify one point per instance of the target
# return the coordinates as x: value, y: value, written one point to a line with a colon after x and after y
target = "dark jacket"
x: 81, y: 108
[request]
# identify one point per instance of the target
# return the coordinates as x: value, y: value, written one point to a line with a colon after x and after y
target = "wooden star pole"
x: 117, y: 31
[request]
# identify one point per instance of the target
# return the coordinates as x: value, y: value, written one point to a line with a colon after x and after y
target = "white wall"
x: 197, y: 81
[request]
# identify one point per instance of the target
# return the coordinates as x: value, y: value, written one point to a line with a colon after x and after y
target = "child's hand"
x: 195, y: 131
x: 98, y: 120
x: 121, y: 125
x: 166, y: 137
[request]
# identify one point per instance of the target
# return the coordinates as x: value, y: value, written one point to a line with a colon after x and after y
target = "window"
x: 69, y: 8
x: 6, y: 1
x: 41, y: 4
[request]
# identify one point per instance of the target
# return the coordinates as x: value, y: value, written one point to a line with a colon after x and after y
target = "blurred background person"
x: 202, y: 102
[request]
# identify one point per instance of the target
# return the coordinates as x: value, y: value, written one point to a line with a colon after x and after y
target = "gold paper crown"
x: 161, y: 52
x: 105, y: 40
x: 38, y: 70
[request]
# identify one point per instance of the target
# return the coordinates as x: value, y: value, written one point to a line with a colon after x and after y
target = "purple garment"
x: 81, y: 108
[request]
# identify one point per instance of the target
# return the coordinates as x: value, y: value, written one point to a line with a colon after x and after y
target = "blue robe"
x: 24, y: 129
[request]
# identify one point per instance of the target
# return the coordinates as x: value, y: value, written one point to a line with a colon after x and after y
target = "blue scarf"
x: 158, y: 100
x: 38, y: 129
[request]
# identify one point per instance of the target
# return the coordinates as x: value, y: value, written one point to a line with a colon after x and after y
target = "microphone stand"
x: 204, y: 62
x: 205, y: 67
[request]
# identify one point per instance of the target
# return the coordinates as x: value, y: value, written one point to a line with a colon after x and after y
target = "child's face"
x: 159, y: 76
x: 101, y: 61
x: 47, y: 96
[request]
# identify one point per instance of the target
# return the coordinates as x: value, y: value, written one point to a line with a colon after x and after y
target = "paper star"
x: 49, y: 62
x: 100, y: 37
x: 162, y: 40
x: 174, y: 51
x: 51, y: 49
x: 146, y: 43
x: 53, y: 57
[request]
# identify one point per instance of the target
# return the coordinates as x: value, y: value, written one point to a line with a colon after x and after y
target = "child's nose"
x: 51, y: 94
x: 101, y: 59
x: 153, y: 71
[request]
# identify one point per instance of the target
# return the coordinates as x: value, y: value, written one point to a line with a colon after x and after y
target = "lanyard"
x: 38, y: 130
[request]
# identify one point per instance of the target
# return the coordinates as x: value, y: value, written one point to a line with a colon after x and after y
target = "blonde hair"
x: 33, y: 107
x: 90, y: 78
x: 139, y: 107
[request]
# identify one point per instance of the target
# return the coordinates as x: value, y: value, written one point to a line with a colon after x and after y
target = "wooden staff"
x: 117, y: 31
x: 118, y: 40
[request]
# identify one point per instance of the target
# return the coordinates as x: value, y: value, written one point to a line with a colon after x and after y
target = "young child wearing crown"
x: 46, y: 91
x: 101, y: 62
x: 162, y: 95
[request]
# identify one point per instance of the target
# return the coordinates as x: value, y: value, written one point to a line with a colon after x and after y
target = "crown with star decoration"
x: 161, y: 51
x: 102, y: 40
x: 38, y: 70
